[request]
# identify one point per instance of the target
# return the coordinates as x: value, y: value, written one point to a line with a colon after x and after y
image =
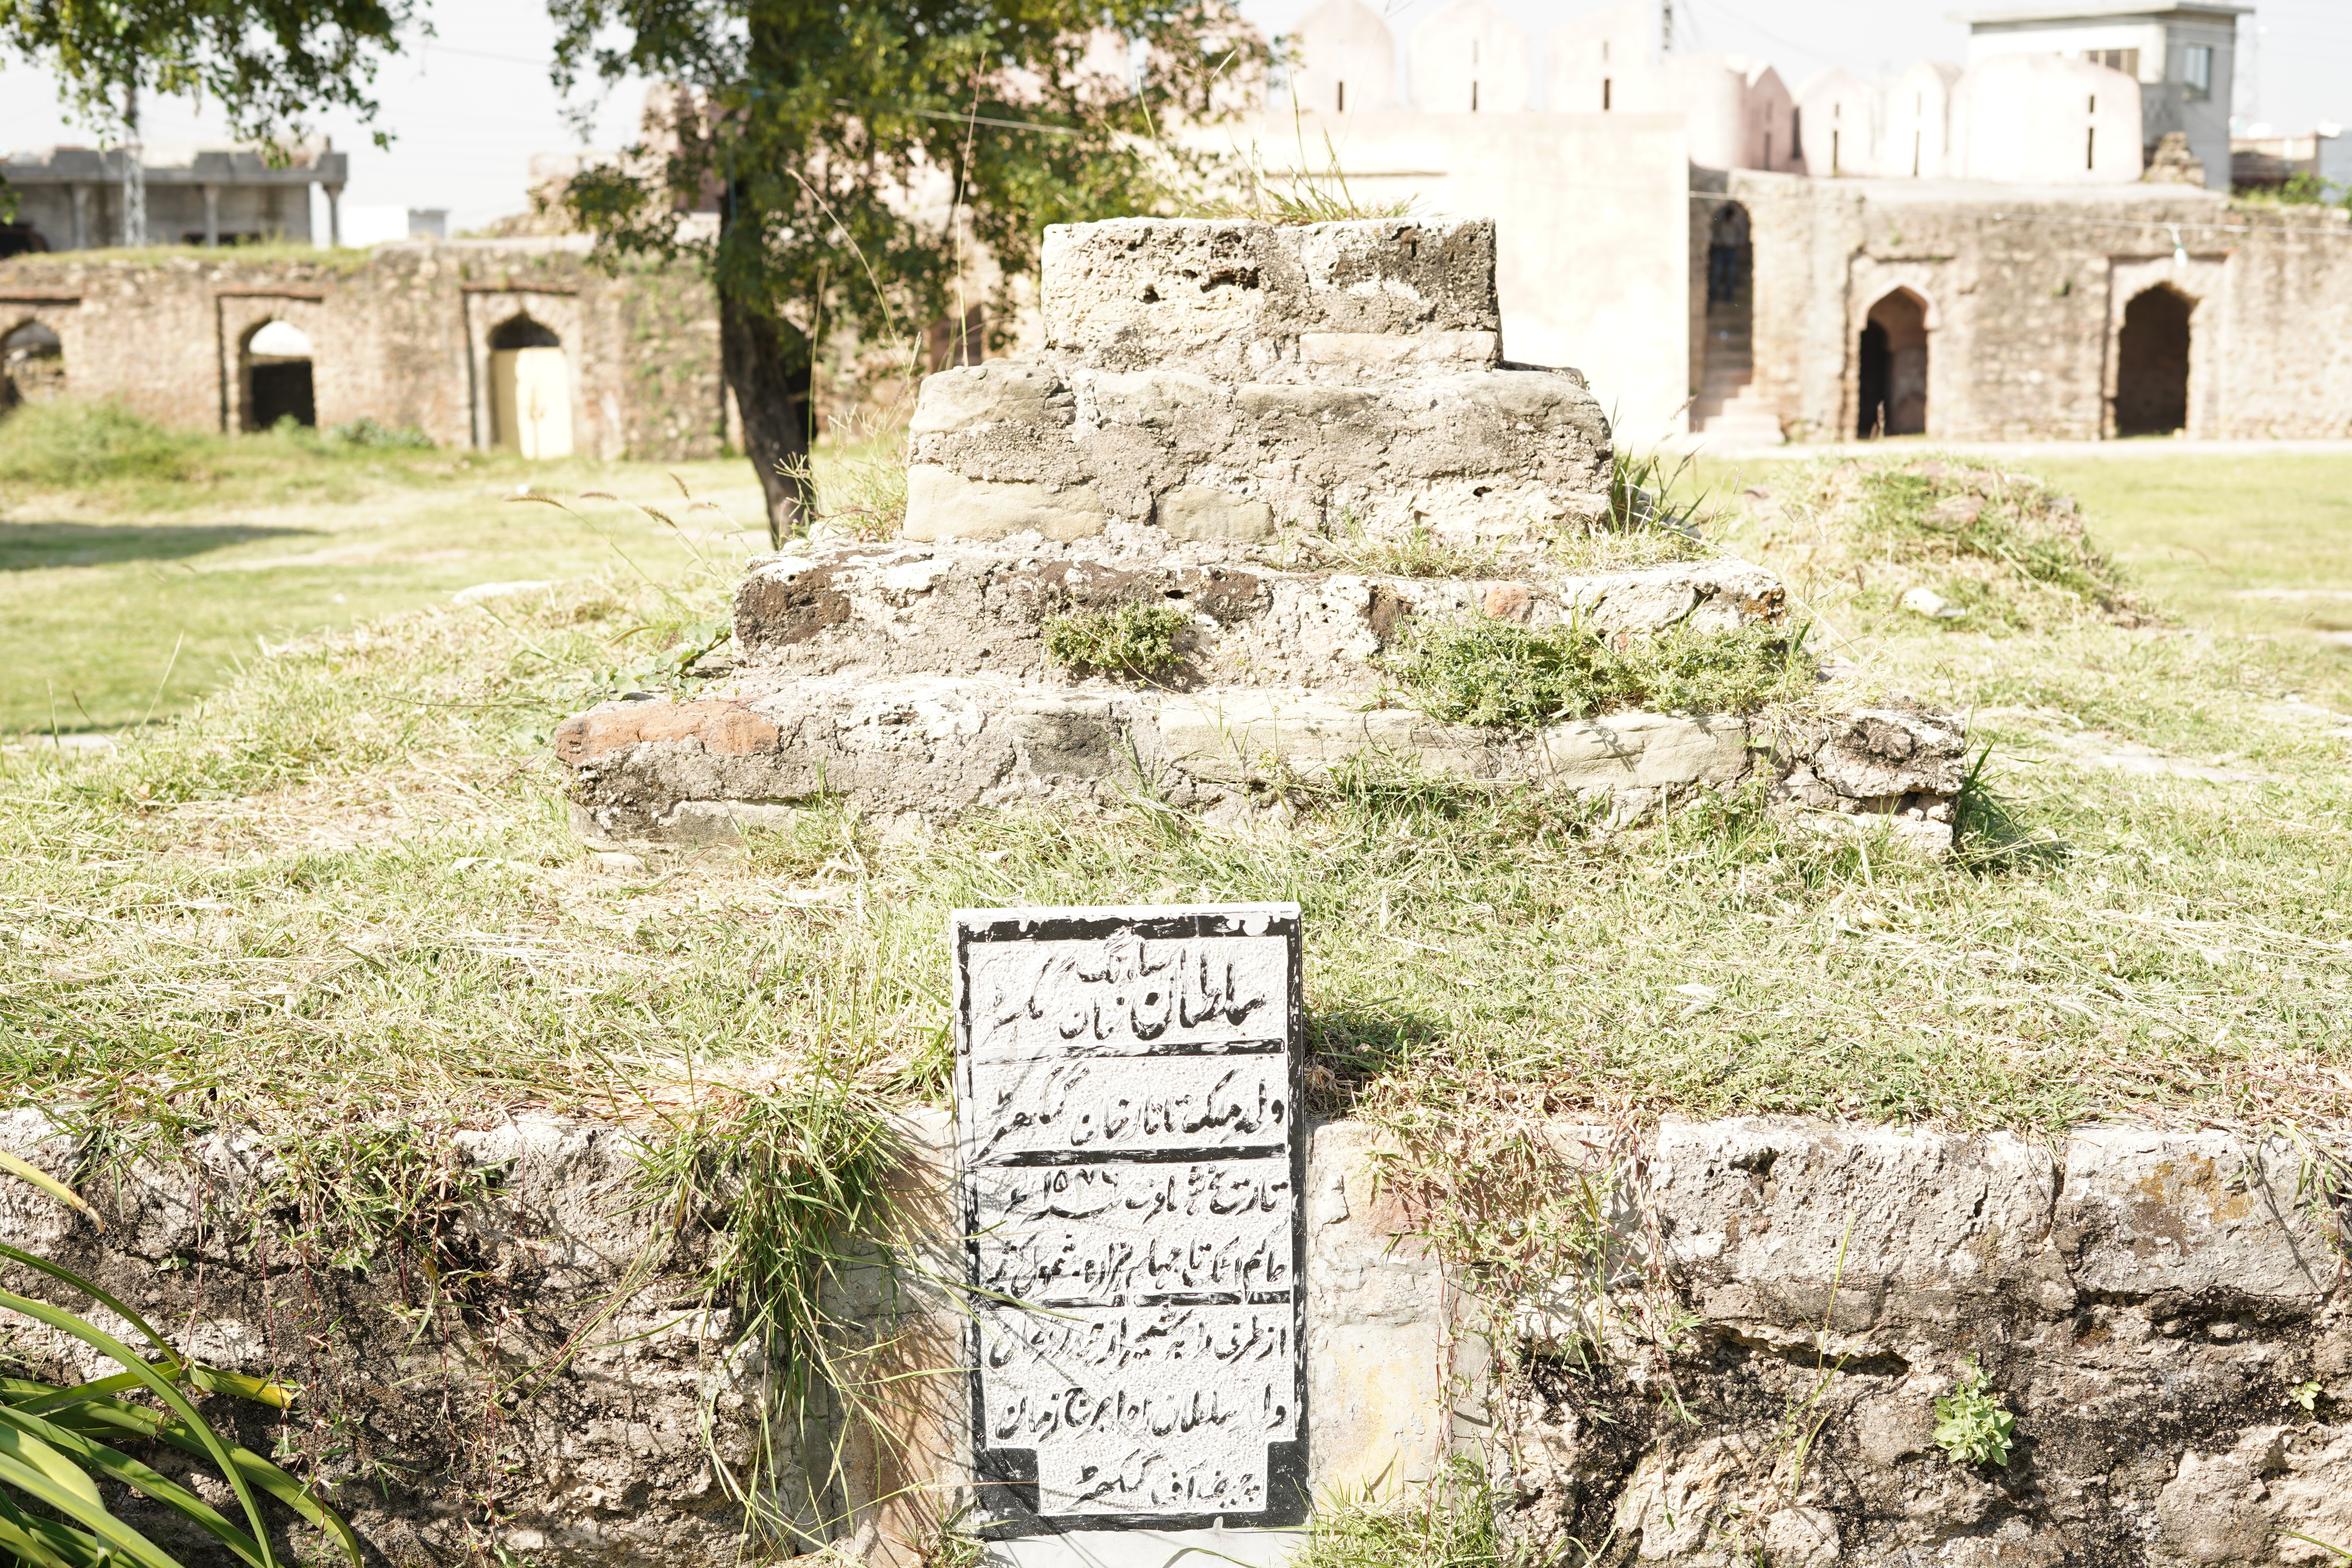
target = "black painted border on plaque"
x: 1004, y: 1490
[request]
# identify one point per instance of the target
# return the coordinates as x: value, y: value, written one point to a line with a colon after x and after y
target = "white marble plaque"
x: 1130, y: 1156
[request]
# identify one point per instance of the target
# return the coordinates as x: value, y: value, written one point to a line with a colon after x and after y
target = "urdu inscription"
x: 1130, y: 1158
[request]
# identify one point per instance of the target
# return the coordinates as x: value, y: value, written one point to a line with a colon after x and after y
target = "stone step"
x: 911, y: 752
x: 963, y: 609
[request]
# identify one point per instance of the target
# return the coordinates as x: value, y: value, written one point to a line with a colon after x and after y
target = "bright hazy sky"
x: 468, y: 108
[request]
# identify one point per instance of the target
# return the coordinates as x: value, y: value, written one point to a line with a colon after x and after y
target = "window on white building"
x: 2197, y: 70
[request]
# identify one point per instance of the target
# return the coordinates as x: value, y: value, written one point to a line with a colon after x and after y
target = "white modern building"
x: 2182, y: 57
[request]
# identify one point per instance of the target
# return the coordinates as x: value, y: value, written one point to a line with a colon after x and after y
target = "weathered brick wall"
x: 401, y: 335
x: 2025, y: 294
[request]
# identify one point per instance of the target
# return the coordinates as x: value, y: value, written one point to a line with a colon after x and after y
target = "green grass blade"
x: 48, y: 1184
x: 117, y: 1537
x: 161, y: 1386
x: 44, y: 1542
x: 88, y: 1455
x: 260, y: 1390
x: 114, y: 1416
x: 30, y: 1448
x: 81, y: 1394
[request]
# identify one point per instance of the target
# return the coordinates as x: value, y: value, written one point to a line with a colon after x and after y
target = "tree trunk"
x: 768, y: 366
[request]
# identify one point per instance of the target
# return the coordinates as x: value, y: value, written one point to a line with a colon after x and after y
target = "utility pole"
x: 134, y: 173
x: 1665, y: 26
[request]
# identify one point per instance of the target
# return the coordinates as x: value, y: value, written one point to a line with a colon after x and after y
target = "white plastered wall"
x: 1914, y: 138
x: 1593, y: 231
x: 1342, y: 44
x: 1602, y: 62
x: 1470, y: 57
x: 1841, y: 123
x: 2039, y: 119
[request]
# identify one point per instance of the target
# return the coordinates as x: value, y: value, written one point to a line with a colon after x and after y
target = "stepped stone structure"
x: 1257, y: 425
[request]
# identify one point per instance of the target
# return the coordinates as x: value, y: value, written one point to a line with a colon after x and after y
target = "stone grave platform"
x: 1223, y: 417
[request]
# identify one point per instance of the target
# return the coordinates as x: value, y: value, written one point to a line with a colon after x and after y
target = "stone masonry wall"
x: 2025, y: 293
x: 400, y: 335
x: 2163, y: 1313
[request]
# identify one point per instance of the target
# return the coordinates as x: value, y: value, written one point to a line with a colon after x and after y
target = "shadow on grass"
x: 1352, y: 1043
x: 33, y: 546
x: 1990, y: 835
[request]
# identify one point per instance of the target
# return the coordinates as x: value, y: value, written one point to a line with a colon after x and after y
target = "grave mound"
x: 1189, y: 548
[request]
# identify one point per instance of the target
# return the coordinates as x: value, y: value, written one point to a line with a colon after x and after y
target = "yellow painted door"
x: 531, y: 391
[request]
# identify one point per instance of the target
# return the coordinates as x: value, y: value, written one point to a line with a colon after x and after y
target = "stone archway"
x: 32, y: 365
x: 278, y: 386
x: 531, y: 389
x: 1893, y: 363
x: 2152, y: 363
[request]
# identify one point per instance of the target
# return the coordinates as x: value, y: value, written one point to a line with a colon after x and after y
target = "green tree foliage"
x: 269, y: 65
x: 841, y: 137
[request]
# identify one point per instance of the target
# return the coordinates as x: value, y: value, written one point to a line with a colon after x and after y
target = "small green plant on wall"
x: 1971, y: 1426
x: 1135, y: 642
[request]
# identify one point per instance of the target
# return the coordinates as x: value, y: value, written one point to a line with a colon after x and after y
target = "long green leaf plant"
x: 58, y: 1458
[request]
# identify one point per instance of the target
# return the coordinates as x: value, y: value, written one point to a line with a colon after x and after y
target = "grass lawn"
x: 2261, y: 546
x: 341, y: 895
x: 131, y: 598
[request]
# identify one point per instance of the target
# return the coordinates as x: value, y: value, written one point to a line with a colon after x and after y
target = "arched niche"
x: 275, y: 361
x: 1893, y: 365
x: 32, y: 365
x: 2152, y: 353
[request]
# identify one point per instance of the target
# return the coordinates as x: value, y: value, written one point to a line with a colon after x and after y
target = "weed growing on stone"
x: 861, y: 488
x: 1246, y: 188
x: 1498, y: 673
x: 1654, y: 490
x: 793, y: 1191
x: 1416, y: 551
x: 1971, y: 1426
x: 1136, y: 641
x: 1447, y: 1522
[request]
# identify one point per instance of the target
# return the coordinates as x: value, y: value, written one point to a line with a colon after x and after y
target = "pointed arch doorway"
x: 1893, y: 364
x: 531, y: 390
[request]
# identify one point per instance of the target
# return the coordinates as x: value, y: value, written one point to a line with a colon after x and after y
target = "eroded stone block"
x: 1200, y: 512
x: 944, y: 504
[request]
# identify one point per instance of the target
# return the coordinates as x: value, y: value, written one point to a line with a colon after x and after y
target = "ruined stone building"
x: 511, y: 343
x: 2037, y: 244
